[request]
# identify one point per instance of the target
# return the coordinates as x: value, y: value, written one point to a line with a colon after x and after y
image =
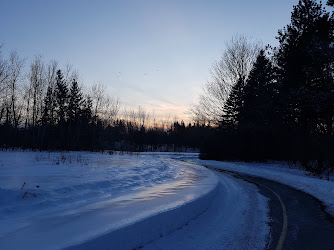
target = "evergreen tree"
x: 74, y: 110
x: 61, y: 93
x: 233, y: 105
x: 86, y: 116
x: 75, y: 103
x: 61, y: 103
x: 47, y: 117
x: 305, y: 69
x: 86, y: 130
x: 258, y: 109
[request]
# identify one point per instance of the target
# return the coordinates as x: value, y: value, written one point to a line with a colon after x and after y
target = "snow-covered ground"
x: 56, y: 200
x: 81, y: 200
x: 280, y: 172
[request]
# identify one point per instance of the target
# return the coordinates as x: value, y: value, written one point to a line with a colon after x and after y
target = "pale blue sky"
x: 163, y: 49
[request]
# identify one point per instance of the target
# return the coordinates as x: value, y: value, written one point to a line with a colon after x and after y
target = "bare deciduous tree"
x: 70, y: 74
x: 3, y: 70
x: 36, y: 91
x: 50, y: 78
x: 234, y: 65
x: 98, y: 94
x: 3, y: 83
x: 104, y: 106
x: 111, y: 108
x: 13, y: 107
x: 142, y: 116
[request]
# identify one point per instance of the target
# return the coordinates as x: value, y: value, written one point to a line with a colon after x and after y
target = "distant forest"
x: 45, y: 108
x: 262, y: 103
x: 50, y: 111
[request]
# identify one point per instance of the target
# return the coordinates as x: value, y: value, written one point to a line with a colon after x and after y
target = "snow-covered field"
x: 56, y: 200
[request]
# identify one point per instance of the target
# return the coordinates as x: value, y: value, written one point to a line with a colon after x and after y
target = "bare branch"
x: 235, y: 64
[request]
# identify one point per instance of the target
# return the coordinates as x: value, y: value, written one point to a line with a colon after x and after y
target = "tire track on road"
x: 285, y: 217
x: 310, y: 227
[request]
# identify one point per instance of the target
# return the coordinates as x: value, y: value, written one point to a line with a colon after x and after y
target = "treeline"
x: 45, y: 108
x: 283, y: 108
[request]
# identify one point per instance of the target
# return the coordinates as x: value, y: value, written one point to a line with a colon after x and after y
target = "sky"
x: 150, y: 53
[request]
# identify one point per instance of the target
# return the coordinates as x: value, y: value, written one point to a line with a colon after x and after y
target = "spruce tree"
x: 258, y: 109
x: 75, y: 103
x: 61, y: 93
x: 61, y: 103
x: 233, y: 105
x: 305, y: 69
x: 47, y: 118
x: 87, y: 110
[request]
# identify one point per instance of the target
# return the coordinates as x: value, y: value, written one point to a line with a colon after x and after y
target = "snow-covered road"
x: 283, y: 173
x: 237, y: 218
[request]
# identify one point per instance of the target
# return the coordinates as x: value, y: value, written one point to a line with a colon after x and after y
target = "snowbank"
x: 161, y: 222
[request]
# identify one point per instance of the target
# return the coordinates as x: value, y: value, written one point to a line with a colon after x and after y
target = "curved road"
x: 235, y: 219
x: 298, y: 220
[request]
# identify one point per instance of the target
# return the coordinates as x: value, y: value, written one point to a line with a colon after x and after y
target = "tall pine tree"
x: 61, y: 97
x: 47, y: 117
x: 305, y: 69
x: 61, y: 92
x: 75, y: 103
x: 258, y: 109
x: 233, y: 106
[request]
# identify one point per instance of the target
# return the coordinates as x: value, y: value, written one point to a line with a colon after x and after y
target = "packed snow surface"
x: 283, y: 173
x: 237, y: 218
